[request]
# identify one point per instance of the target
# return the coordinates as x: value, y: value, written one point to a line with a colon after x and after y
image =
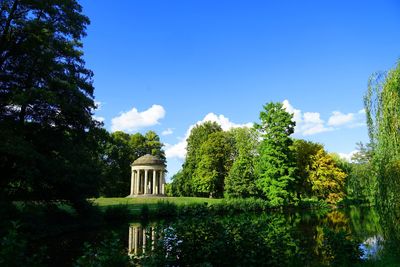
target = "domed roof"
x: 148, y: 160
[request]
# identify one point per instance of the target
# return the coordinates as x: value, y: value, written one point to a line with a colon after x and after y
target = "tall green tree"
x: 183, y: 183
x: 276, y: 165
x: 46, y: 102
x: 213, y: 167
x: 241, y: 179
x: 382, y: 105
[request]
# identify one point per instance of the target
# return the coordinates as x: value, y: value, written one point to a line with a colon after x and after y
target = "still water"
x: 351, y: 237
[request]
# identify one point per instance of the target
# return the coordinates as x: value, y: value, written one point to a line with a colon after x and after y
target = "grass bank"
x: 120, y: 209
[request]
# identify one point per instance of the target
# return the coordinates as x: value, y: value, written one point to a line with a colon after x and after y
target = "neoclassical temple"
x: 148, y: 176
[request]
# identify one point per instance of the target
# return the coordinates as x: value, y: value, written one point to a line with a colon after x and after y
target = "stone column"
x: 137, y: 176
x: 146, y: 187
x: 159, y: 182
x: 132, y: 181
x: 163, y: 183
x: 154, y: 183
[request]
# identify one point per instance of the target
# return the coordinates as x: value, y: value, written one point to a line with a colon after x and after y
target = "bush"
x: 120, y: 213
x: 144, y: 212
x: 166, y: 209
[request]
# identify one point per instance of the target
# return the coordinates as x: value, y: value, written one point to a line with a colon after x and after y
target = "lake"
x: 347, y: 237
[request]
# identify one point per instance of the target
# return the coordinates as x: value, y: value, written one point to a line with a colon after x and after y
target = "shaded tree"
x: 46, y: 102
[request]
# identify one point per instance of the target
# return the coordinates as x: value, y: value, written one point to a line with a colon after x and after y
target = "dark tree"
x: 48, y: 145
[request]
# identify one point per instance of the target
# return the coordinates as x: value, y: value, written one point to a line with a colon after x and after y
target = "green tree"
x: 241, y: 179
x: 153, y: 145
x: 361, y: 182
x: 46, y: 102
x: 183, y: 183
x: 304, y: 151
x: 382, y: 104
x: 215, y: 162
x: 326, y: 178
x: 276, y: 165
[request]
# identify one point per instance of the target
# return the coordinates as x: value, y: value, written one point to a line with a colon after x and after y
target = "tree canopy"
x: 46, y: 102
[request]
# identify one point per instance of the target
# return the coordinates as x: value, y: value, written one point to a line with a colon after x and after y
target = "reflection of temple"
x: 141, y: 239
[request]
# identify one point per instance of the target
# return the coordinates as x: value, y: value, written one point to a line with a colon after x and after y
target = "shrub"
x: 118, y: 213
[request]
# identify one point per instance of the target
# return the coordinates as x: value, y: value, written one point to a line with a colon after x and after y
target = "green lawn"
x: 137, y: 203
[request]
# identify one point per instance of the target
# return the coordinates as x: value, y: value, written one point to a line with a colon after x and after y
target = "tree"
x: 198, y: 135
x: 215, y: 162
x: 241, y: 179
x: 361, y: 182
x: 153, y: 145
x: 382, y: 105
x: 46, y: 102
x: 276, y: 165
x: 304, y: 151
x: 326, y: 178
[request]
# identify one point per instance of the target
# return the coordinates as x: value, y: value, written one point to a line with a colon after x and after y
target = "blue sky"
x: 166, y: 65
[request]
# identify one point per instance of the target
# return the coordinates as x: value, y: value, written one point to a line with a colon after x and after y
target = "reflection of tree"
x: 223, y: 241
x: 274, y: 239
x: 326, y: 240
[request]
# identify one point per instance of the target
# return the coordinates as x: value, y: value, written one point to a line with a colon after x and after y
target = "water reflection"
x: 141, y: 239
x: 274, y: 239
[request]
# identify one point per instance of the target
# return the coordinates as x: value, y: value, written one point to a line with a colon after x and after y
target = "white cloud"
x: 133, y: 120
x: 307, y: 123
x: 338, y: 118
x: 349, y: 120
x: 168, y: 131
x: 348, y: 156
x: 178, y: 150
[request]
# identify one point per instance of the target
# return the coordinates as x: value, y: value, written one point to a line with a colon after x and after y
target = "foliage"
x: 46, y: 103
x: 166, y: 209
x: 326, y: 178
x: 183, y: 181
x: 361, y: 182
x: 119, y: 213
x: 214, y: 163
x: 276, y: 165
x: 14, y: 250
x: 240, y: 181
x: 109, y: 252
x: 382, y: 104
x: 304, y: 152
